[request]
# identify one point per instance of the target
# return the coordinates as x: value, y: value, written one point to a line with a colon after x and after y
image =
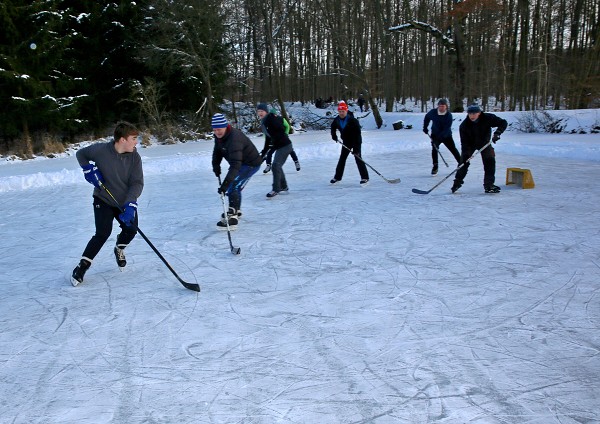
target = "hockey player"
x: 441, y: 132
x: 118, y: 165
x: 277, y: 140
x: 475, y: 132
x: 350, y: 132
x: 244, y: 160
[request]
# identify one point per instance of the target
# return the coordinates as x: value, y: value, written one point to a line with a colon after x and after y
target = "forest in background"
x: 70, y: 69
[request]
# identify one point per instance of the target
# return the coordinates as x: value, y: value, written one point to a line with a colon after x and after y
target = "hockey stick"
x: 394, y: 181
x: 234, y: 250
x: 438, y: 150
x: 189, y: 286
x: 417, y: 191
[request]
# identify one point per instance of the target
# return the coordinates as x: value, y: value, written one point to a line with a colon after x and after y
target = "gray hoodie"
x: 122, y: 172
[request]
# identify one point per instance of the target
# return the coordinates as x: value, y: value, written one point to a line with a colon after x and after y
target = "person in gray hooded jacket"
x: 114, y: 166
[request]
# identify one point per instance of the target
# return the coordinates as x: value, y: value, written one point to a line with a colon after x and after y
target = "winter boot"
x: 457, y: 184
x: 231, y: 220
x: 272, y: 194
x: 334, y: 180
x: 297, y: 165
x: 364, y: 182
x: 267, y: 169
x: 79, y: 272
x: 434, y: 170
x: 491, y: 188
x: 120, y: 256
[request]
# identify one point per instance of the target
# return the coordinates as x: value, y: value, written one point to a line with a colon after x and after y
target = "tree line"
x: 70, y: 69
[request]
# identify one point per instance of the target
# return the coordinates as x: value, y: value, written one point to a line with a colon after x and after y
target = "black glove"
x: 217, y: 170
x: 426, y: 131
x: 334, y: 138
x: 224, y: 187
x: 496, y: 137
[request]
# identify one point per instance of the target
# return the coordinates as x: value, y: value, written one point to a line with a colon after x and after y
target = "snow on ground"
x: 346, y: 305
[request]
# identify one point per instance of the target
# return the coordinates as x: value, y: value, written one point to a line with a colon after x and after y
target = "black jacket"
x: 474, y: 135
x: 237, y: 150
x: 274, y: 130
x: 351, y: 135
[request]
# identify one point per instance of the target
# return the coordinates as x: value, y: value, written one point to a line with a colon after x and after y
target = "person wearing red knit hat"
x: 350, y: 132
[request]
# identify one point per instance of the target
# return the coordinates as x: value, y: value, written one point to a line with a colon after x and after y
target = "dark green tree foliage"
x: 186, y: 53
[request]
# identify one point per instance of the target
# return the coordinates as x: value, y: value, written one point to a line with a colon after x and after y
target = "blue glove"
x: 128, y: 215
x: 92, y: 174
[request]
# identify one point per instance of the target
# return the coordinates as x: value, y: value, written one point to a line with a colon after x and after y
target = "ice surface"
x: 348, y: 304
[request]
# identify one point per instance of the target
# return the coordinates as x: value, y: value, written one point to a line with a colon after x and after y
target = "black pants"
x: 362, y: 168
x: 104, y: 215
x: 449, y: 143
x: 488, y: 157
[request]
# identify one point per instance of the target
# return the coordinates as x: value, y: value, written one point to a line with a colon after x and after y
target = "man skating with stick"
x: 118, y: 165
x: 441, y: 133
x: 244, y: 160
x: 475, y: 133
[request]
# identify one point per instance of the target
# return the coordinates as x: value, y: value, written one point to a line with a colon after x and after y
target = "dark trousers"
x: 449, y: 143
x: 488, y: 157
x: 234, y: 192
x: 104, y: 215
x: 269, y: 158
x: 362, y: 168
x: 281, y: 155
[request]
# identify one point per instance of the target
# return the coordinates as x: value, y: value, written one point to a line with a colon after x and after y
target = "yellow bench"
x: 520, y: 177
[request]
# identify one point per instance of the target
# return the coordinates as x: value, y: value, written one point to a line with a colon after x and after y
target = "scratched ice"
x: 348, y: 304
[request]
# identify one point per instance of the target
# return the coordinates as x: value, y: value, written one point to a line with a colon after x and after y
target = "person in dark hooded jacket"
x: 475, y: 132
x: 277, y: 140
x: 350, y: 132
x: 244, y: 160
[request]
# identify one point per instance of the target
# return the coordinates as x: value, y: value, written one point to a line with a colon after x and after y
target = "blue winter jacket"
x: 441, y: 125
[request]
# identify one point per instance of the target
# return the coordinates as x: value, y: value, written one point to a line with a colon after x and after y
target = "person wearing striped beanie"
x: 244, y: 160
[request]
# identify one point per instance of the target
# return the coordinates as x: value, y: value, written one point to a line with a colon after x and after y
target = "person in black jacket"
x: 350, y: 132
x: 441, y: 132
x: 475, y: 132
x: 277, y: 140
x: 244, y: 160
x: 116, y: 166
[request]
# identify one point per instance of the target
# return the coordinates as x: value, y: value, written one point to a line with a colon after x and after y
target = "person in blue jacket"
x: 441, y: 132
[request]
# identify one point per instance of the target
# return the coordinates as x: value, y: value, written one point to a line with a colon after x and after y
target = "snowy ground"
x: 346, y: 305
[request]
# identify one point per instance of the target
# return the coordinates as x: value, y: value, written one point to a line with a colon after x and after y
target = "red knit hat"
x: 342, y: 106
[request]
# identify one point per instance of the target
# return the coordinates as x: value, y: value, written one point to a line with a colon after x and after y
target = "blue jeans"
x: 234, y: 192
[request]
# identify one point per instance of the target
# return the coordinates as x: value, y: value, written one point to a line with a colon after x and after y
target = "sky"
x: 347, y: 304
